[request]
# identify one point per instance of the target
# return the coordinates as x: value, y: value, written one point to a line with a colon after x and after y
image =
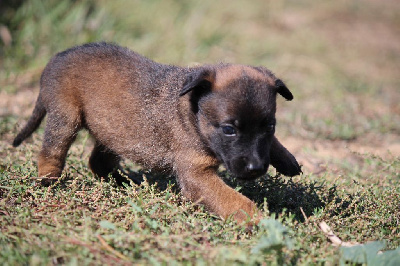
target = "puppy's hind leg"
x: 60, y: 132
x: 104, y: 162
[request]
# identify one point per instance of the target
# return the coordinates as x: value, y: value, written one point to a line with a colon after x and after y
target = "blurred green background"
x: 340, y: 58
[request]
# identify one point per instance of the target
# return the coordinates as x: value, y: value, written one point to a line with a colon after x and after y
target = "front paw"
x: 288, y: 166
x: 283, y: 160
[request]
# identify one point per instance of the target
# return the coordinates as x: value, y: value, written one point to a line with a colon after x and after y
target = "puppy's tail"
x: 33, y: 123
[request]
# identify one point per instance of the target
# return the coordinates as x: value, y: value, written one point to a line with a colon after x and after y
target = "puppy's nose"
x: 255, y: 169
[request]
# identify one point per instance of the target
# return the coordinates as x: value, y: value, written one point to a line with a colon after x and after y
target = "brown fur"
x: 150, y: 113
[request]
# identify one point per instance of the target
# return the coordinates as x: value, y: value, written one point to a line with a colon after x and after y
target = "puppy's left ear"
x: 283, y: 90
x: 200, y: 79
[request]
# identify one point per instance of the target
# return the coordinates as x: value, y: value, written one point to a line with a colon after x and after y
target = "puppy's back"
x: 123, y: 98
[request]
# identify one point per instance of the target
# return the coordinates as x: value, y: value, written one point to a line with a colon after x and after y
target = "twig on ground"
x: 109, y: 248
x: 305, y: 216
x: 336, y: 241
x: 94, y: 251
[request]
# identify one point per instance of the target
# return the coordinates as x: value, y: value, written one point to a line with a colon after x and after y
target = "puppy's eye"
x: 270, y: 128
x: 228, y: 130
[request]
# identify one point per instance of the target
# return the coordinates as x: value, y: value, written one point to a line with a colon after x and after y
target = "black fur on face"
x: 238, y: 125
x: 236, y: 120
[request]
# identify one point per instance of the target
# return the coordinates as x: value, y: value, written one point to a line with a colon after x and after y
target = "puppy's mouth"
x: 239, y: 168
x: 245, y: 175
x: 249, y: 177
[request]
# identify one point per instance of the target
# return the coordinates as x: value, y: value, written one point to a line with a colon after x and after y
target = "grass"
x: 339, y: 59
x: 82, y: 220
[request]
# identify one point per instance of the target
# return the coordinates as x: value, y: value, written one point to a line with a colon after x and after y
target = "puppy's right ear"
x: 199, y: 79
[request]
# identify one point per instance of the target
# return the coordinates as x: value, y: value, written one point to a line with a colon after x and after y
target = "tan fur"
x: 232, y: 72
x: 200, y: 183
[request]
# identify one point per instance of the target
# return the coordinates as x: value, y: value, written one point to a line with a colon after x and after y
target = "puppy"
x: 186, y: 121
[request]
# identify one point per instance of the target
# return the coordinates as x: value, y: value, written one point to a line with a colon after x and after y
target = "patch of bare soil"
x: 317, y: 156
x: 20, y: 104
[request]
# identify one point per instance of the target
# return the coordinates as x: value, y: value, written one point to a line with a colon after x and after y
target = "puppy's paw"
x: 288, y: 166
x: 283, y: 161
x: 48, y: 181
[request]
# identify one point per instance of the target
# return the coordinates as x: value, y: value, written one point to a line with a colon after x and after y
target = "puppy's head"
x: 235, y: 107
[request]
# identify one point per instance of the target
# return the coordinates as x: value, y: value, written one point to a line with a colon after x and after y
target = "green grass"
x: 83, y: 220
x: 340, y: 60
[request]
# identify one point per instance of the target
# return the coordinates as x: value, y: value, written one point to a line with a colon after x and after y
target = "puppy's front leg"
x: 200, y: 183
x: 283, y: 160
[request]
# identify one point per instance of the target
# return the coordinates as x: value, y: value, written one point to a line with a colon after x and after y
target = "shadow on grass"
x: 283, y: 195
x: 280, y: 194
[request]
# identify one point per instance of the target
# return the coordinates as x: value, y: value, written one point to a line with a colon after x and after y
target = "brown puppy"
x: 167, y: 118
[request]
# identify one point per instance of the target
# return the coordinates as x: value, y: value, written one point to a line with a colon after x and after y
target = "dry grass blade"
x: 109, y: 248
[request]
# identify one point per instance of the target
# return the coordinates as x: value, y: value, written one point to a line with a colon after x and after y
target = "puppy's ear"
x: 280, y: 86
x: 283, y: 90
x: 200, y: 79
